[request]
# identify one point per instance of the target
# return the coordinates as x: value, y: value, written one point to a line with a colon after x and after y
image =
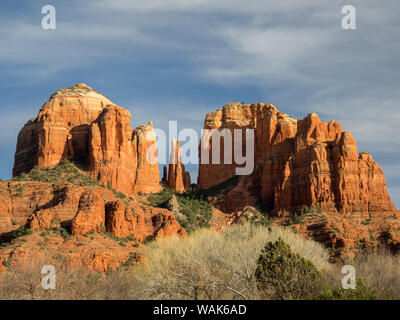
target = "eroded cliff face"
x: 80, y: 123
x: 309, y: 168
x: 178, y: 179
x: 83, y: 211
x: 300, y: 162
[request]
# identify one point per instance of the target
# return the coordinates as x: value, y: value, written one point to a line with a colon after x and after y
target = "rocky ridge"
x: 305, y: 165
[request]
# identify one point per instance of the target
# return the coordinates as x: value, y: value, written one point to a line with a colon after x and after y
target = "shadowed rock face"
x: 80, y: 123
x: 299, y: 163
x: 178, y: 178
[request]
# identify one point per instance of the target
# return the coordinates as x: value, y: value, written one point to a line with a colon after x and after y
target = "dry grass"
x: 211, y: 265
x: 381, y: 271
x: 204, y: 265
x: 25, y: 282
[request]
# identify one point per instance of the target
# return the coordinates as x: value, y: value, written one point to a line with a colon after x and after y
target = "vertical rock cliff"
x: 299, y: 162
x: 178, y: 179
x: 81, y: 124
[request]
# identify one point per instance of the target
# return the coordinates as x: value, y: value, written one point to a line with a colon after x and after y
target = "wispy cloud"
x: 293, y: 53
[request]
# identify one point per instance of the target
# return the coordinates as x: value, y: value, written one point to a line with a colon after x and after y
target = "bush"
x: 198, y: 212
x: 212, y: 265
x: 362, y: 292
x: 283, y: 274
x: 66, y: 171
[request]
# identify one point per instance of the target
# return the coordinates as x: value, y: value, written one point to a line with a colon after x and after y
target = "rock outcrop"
x: 82, y: 211
x: 82, y: 124
x: 300, y: 162
x: 303, y: 164
x: 178, y: 179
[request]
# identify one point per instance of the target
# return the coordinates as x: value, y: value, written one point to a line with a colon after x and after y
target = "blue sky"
x: 179, y: 59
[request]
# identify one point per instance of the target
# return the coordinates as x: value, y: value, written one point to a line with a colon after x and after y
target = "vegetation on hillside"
x: 243, y: 262
x: 196, y: 211
x: 65, y: 171
x: 193, y: 203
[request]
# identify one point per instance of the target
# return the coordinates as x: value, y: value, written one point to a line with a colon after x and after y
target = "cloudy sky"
x: 179, y: 59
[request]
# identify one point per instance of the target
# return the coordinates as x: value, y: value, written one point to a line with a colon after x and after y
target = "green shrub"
x: 296, y: 218
x: 362, y: 292
x: 66, y: 171
x: 62, y: 232
x: 311, y: 209
x: 283, y: 274
x: 198, y: 212
x: 160, y: 199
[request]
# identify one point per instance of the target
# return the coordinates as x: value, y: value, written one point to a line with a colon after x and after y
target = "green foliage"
x: 160, y: 199
x: 296, y: 218
x: 123, y: 241
x: 148, y: 240
x: 66, y: 171
x: 311, y: 209
x: 133, y: 256
x: 222, y: 188
x: 197, y: 211
x: 20, y: 232
x: 283, y: 274
x: 362, y: 292
x: 62, y: 232
x: 366, y: 222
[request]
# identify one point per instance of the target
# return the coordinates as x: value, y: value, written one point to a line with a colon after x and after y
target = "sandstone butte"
x: 298, y: 164
x: 81, y: 124
x: 305, y: 163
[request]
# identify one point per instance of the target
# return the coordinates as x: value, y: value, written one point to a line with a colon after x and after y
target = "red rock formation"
x: 91, y: 214
x: 95, y: 253
x: 40, y: 205
x: 140, y: 221
x: 301, y: 162
x: 80, y: 123
x: 187, y: 182
x: 164, y: 179
x: 178, y: 178
x: 147, y: 173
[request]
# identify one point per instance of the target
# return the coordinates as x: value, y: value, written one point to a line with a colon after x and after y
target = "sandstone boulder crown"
x: 80, y: 123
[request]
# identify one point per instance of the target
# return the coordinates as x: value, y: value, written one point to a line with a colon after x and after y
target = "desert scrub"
x: 198, y: 212
x: 66, y: 171
x: 311, y: 209
x: 296, y: 218
x: 282, y: 274
x: 361, y: 292
x: 212, y: 265
x: 23, y: 281
x: 160, y: 199
x: 20, y: 232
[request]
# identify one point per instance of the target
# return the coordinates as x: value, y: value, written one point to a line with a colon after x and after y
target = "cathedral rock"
x: 82, y: 124
x: 298, y: 163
